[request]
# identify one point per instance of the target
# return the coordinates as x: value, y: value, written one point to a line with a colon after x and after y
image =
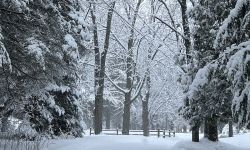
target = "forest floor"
x: 180, y: 142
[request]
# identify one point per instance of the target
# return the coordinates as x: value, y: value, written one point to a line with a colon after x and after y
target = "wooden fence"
x: 164, y: 133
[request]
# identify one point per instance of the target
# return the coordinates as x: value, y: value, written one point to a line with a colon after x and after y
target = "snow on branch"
x: 139, y: 88
x: 201, y: 78
x: 38, y: 49
x: 233, y: 64
x: 237, y: 62
x: 237, y: 70
x: 4, y: 55
x: 222, y: 32
x: 54, y: 87
x: 71, y: 47
x: 117, y: 86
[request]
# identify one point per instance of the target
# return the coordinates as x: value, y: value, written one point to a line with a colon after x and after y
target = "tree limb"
x: 170, y: 27
x: 116, y: 86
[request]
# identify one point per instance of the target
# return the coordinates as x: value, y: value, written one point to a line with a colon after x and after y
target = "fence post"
x: 169, y: 133
x: 117, y: 131
x: 164, y: 133
x: 158, y: 133
x: 174, y: 133
x: 90, y: 131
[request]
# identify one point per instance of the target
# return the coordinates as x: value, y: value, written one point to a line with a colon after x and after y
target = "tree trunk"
x: 202, y: 127
x: 195, y: 134
x: 126, y: 114
x: 145, y: 112
x: 129, y: 84
x: 230, y: 123
x: 104, y: 53
x: 186, y: 29
x: 152, y: 126
x: 100, y: 60
x: 206, y: 128
x: 98, y: 101
x: 185, y: 129
x: 98, y: 114
x: 187, y: 41
x: 129, y: 74
x: 167, y: 125
x: 212, y: 129
x: 108, y: 121
x: 108, y: 115
x: 4, y: 122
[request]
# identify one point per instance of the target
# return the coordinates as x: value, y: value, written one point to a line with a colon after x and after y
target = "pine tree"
x: 203, y: 102
x: 233, y: 38
x: 42, y: 40
x: 227, y: 76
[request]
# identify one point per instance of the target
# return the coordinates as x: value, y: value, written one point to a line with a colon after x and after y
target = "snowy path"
x: 151, y: 143
x: 116, y: 143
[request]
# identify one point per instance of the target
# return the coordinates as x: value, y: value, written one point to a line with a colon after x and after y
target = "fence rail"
x: 157, y: 133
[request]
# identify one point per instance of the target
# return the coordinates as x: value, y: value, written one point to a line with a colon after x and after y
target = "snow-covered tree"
x: 223, y: 80
x: 233, y: 37
x: 41, y: 49
x: 206, y: 104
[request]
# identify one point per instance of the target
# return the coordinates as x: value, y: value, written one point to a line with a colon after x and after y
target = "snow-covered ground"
x: 121, y: 142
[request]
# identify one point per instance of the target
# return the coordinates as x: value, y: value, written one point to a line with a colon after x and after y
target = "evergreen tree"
x: 233, y: 38
x: 210, y: 102
x: 40, y: 54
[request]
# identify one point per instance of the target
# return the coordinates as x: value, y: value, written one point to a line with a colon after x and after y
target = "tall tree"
x: 129, y: 72
x: 213, y: 83
x: 100, y: 64
x: 189, y: 62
